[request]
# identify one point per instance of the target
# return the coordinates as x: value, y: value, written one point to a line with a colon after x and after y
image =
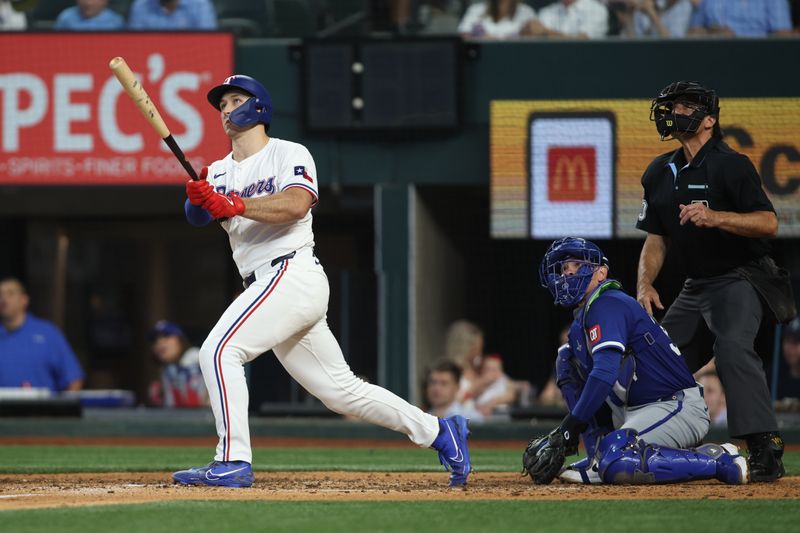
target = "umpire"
x: 705, y: 201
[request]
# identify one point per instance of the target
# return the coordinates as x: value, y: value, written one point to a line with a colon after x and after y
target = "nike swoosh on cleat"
x: 459, y: 456
x: 223, y: 474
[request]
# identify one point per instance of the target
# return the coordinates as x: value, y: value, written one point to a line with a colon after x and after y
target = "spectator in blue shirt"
x: 749, y: 18
x: 172, y: 15
x: 33, y: 352
x: 89, y: 15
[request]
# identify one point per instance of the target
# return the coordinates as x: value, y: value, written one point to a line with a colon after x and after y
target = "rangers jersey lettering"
x: 279, y: 166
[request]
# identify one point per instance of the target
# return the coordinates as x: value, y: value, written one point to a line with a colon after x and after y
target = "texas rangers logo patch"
x: 594, y: 334
x: 301, y: 171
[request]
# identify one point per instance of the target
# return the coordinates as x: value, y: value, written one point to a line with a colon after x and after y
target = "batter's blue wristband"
x: 196, y: 215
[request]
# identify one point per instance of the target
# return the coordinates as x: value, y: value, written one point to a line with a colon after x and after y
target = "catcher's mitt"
x: 544, y: 457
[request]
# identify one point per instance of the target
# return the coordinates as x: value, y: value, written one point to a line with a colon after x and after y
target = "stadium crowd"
x: 476, y: 19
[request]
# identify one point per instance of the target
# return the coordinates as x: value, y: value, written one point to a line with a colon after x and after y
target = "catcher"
x: 629, y: 391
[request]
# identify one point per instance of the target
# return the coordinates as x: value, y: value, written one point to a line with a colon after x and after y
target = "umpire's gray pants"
x: 721, y: 316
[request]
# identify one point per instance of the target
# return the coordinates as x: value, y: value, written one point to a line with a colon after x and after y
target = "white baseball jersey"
x: 280, y: 165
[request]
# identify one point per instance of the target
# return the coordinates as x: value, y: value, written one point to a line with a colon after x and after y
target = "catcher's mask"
x: 704, y: 102
x: 568, y: 289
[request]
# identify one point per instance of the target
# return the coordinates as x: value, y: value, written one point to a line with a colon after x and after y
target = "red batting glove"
x: 221, y: 206
x: 201, y: 190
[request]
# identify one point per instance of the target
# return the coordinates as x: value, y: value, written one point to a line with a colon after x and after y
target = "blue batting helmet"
x: 256, y: 109
x: 568, y: 290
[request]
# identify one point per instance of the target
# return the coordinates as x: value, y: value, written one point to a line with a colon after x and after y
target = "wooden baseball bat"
x: 140, y: 97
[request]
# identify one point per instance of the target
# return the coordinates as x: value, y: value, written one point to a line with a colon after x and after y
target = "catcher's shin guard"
x: 732, y: 468
x: 620, y: 458
x: 626, y: 459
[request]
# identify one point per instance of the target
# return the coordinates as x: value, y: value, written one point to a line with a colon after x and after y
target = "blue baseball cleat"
x: 217, y: 474
x: 452, y: 447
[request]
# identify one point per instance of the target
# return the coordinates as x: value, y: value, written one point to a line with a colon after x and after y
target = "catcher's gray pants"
x: 721, y: 316
x: 680, y: 421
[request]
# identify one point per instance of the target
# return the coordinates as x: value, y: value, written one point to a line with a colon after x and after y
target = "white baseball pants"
x: 284, y: 311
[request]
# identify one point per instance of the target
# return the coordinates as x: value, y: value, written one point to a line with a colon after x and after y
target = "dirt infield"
x: 28, y: 491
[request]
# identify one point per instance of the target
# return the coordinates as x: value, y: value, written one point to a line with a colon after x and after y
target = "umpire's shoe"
x: 217, y: 474
x: 452, y: 447
x: 766, y: 456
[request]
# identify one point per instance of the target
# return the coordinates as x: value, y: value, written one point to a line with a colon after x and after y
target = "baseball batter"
x: 262, y: 193
x: 628, y: 389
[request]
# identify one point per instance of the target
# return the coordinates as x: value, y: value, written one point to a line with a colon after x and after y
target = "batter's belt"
x: 249, y: 280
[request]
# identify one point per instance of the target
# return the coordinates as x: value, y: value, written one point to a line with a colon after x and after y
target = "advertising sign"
x: 574, y: 167
x: 66, y: 120
x: 571, y: 172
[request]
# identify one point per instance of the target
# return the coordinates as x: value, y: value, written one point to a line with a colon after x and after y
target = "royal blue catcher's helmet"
x: 256, y: 109
x: 568, y: 290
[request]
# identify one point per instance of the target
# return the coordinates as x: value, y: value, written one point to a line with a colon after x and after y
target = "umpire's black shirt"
x: 724, y: 180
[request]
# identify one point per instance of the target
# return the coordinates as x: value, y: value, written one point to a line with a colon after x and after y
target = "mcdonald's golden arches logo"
x: 571, y: 173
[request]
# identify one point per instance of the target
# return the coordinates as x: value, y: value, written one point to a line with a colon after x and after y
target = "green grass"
x: 438, y: 516
x: 356, y: 516
x: 49, y: 459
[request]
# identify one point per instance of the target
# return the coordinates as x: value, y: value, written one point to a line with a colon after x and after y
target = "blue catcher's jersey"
x: 653, y: 367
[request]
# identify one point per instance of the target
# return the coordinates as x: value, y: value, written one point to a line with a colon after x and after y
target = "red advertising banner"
x: 66, y: 120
